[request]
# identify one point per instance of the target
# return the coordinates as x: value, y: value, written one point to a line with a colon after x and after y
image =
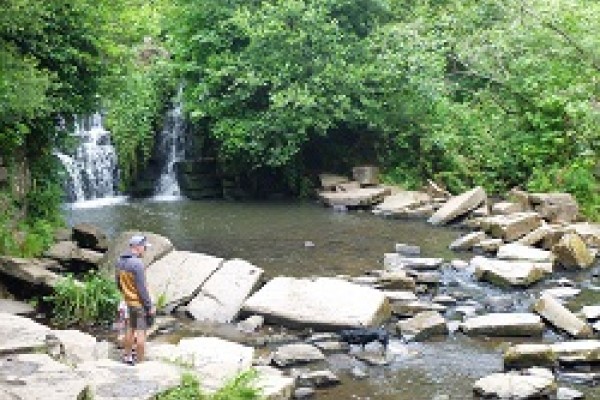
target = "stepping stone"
x: 504, y: 324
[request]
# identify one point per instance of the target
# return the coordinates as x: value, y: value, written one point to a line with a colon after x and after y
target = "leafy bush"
x: 239, y: 388
x: 91, y: 301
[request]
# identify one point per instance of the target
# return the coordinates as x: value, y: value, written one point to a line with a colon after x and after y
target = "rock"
x: 515, y: 251
x: 516, y: 386
x: 297, y: 353
x: 111, y: 380
x: 399, y: 203
x: 535, y: 236
x: 504, y: 324
x: 435, y: 190
x: 318, y: 379
x: 179, y: 276
x: 161, y: 246
x: 560, y: 317
x: 90, y: 237
x: 571, y: 252
x: 330, y: 181
x: 424, y: 211
x: 20, y: 335
x: 39, y: 377
x: 75, y: 347
x: 68, y: 253
x: 62, y: 251
x: 63, y: 235
x: 354, y: 198
x: 553, y: 236
x: 459, y: 265
x: 561, y: 293
x: 395, y: 260
x: 423, y: 326
x: 15, y: 307
x: 511, y: 227
x: 444, y: 300
x: 425, y: 277
x: 347, y: 186
x: 482, y: 211
x: 488, y: 245
x: 555, y: 207
x: 223, y: 294
x: 374, y: 359
x: 273, y: 384
x: 569, y: 394
x: 505, y: 208
x: 332, y: 346
x: 366, y: 175
x: 251, y: 324
x: 399, y: 295
x: 359, y: 373
x: 408, y: 250
x: 548, y: 355
x: 33, y: 271
x: 509, y: 273
x: 591, y: 312
x: 590, y: 233
x: 395, y: 280
x: 215, y: 361
x: 304, y: 393
x: 458, y: 206
x: 415, y: 307
x: 318, y: 303
x: 467, y: 241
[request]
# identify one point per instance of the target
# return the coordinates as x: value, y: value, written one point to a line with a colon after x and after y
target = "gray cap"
x: 139, y: 240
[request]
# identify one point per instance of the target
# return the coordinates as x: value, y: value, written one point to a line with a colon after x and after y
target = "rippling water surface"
x: 305, y: 239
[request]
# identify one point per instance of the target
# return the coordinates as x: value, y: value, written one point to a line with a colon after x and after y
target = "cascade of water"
x: 171, y: 148
x: 92, y: 168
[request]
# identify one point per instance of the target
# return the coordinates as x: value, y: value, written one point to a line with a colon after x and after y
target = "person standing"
x: 130, y: 276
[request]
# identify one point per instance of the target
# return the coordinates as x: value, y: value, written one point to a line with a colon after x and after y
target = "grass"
x: 239, y: 388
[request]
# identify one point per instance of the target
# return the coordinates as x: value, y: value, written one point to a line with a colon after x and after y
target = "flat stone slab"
x: 466, y: 242
x: 398, y: 203
x: 15, y: 307
x: 413, y: 308
x: 400, y: 295
x: 395, y: 260
x: 223, y: 294
x: 509, y: 273
x: 517, y: 386
x: 548, y: 355
x: 515, y: 251
x: 423, y: 325
x: 39, y: 377
x: 179, y: 275
x: 74, y: 347
x: 214, y: 360
x: 355, y: 197
x: 327, y: 303
x: 113, y: 380
x: 34, y: 271
x: 458, y: 206
x: 273, y: 384
x: 297, y: 353
x: 504, y: 324
x: 330, y: 181
x: 560, y: 317
x: 590, y: 233
x: 19, y: 334
x: 591, y: 312
x: 511, y: 227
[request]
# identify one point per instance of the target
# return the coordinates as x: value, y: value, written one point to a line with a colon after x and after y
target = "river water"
x: 306, y: 239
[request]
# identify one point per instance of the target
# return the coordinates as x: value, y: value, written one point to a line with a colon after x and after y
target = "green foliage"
x: 91, y: 301
x: 239, y: 388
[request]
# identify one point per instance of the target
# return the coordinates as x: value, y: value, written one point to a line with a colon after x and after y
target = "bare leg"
x: 128, y: 343
x: 140, y: 344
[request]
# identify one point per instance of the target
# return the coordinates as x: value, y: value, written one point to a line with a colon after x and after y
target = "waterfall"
x: 92, y: 167
x: 171, y: 149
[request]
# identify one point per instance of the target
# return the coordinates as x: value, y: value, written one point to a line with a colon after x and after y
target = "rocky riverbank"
x: 416, y: 298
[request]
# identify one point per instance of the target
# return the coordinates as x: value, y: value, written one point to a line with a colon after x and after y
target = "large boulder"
x: 36, y: 272
x: 572, y: 252
x: 458, y: 206
x: 504, y: 324
x: 509, y: 273
x: 511, y: 227
x: 535, y: 383
x: 21, y: 334
x: 320, y: 303
x: 110, y: 380
x: 39, y: 377
x: 423, y: 326
x: 223, y: 294
x: 178, y: 276
x: 69, y: 254
x: 331, y: 181
x: 399, y: 203
x: 559, y: 316
x: 160, y: 247
x: 215, y: 361
x: 515, y: 251
x: 555, y: 207
x: 590, y: 233
x: 91, y: 237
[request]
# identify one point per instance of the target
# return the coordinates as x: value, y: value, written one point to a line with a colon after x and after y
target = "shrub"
x: 91, y: 301
x: 239, y: 388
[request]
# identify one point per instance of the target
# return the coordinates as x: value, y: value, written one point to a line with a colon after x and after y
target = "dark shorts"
x: 138, y: 319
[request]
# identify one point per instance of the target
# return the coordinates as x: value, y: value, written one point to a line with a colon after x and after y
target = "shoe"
x: 128, y: 360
